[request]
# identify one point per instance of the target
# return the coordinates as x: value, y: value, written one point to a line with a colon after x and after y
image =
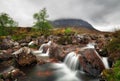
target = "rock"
x: 12, y: 75
x: 16, y: 73
x: 40, y: 62
x: 45, y: 48
x: 91, y: 62
x: 4, y: 57
x: 41, y: 40
x: 24, y: 57
x: 83, y: 38
x: 1, y: 80
x: 56, y: 52
x: 23, y: 44
x: 6, y: 44
x: 54, y: 60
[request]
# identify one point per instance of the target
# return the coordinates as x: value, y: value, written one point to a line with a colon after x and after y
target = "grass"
x: 113, y: 48
x: 113, y: 74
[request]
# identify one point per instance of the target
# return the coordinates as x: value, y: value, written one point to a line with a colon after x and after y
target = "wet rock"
x: 12, y: 75
x: 45, y: 48
x: 103, y: 52
x: 54, y: 60
x: 40, y: 62
x: 91, y: 62
x: 24, y: 57
x: 56, y: 52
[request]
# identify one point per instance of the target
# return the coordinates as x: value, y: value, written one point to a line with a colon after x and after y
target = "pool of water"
x: 54, y: 72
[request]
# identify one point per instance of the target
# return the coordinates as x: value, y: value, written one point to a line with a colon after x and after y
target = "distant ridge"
x: 72, y: 23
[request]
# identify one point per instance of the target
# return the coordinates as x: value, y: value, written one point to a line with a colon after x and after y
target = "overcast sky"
x: 102, y: 14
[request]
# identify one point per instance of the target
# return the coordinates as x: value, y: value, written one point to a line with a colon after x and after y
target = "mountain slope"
x: 72, y: 23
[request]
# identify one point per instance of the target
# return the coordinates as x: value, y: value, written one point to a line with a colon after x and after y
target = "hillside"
x: 72, y: 23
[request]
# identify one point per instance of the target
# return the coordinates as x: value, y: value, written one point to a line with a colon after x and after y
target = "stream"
x: 54, y: 72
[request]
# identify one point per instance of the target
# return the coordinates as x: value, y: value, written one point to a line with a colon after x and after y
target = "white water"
x: 91, y: 45
x: 47, y: 44
x: 72, y: 61
x: 65, y: 73
x: 105, y: 61
x: 31, y: 43
x: 40, y: 51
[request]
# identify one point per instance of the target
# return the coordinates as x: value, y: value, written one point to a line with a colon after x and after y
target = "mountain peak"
x: 72, y: 23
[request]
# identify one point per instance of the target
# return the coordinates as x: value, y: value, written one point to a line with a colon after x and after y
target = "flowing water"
x: 72, y: 61
x: 40, y: 51
x: 69, y: 70
x: 54, y: 72
x: 105, y: 61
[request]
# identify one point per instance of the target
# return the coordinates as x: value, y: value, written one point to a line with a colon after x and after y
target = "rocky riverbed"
x: 29, y: 52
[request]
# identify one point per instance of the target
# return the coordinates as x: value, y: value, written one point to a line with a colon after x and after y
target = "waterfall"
x: 105, y: 61
x: 91, y: 45
x: 72, y: 61
x: 31, y: 43
x: 40, y: 51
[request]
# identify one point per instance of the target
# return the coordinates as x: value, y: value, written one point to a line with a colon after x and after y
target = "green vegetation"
x: 42, y: 23
x: 65, y: 40
x: 6, y: 21
x: 68, y: 31
x: 114, y: 73
x: 113, y: 48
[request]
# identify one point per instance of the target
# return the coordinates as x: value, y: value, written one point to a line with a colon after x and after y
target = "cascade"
x: 91, y: 45
x: 43, y: 45
x: 105, y: 61
x: 72, y: 61
x: 40, y: 51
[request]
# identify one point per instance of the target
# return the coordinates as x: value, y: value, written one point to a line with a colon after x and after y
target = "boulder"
x: 56, y: 51
x: 24, y: 57
x: 83, y: 38
x: 12, y: 75
x: 6, y: 44
x: 91, y: 62
x: 4, y: 57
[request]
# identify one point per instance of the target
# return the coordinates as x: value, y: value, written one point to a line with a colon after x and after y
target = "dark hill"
x: 72, y: 23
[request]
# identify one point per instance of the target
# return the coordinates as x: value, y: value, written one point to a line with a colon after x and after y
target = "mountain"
x: 72, y: 23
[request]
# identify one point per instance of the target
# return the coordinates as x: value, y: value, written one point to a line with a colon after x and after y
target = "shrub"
x: 68, y: 31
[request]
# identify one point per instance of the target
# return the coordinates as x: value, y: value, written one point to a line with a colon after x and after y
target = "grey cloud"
x: 99, y: 13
